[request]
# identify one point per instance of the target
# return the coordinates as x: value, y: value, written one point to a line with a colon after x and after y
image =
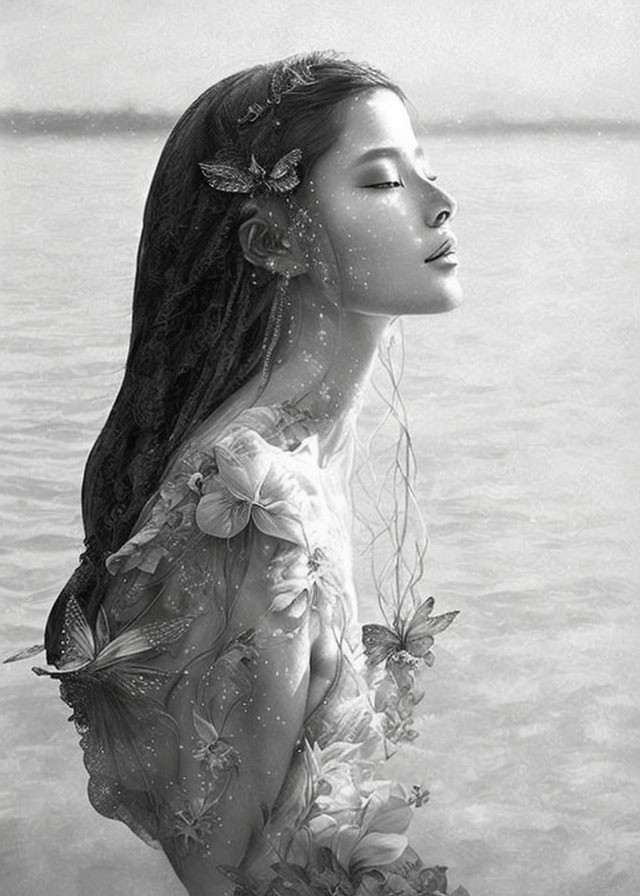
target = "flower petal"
x: 146, y: 559
x: 296, y: 601
x: 280, y: 520
x: 221, y: 514
x: 243, y: 461
x: 323, y: 828
x: 377, y: 849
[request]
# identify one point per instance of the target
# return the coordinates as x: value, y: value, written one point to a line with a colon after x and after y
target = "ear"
x: 267, y: 240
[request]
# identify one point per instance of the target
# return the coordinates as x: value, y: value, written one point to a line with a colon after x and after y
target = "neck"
x: 321, y: 365
x: 324, y: 357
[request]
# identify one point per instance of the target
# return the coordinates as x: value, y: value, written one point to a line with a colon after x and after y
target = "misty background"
x: 458, y: 60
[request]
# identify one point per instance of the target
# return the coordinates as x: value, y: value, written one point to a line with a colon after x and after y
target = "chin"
x: 447, y: 301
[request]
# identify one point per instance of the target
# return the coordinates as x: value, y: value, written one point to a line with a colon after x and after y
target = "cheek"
x: 399, y: 228
x: 353, y: 245
x: 376, y: 243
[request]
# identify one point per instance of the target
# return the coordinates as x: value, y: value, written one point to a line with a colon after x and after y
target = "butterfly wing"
x: 285, y: 184
x: 424, y: 611
x: 420, y: 632
x: 283, y: 176
x: 227, y: 177
x: 379, y: 642
x: 286, y: 163
x: 25, y: 653
x: 439, y: 623
x: 135, y: 641
x: 78, y: 647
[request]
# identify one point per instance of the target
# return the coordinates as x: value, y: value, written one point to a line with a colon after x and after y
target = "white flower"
x: 259, y: 483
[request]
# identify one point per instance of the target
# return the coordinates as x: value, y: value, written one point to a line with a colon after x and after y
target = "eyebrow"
x: 384, y: 152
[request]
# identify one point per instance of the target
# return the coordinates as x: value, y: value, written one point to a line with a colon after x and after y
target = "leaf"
x: 265, y: 811
x: 238, y: 877
x: 378, y: 849
x: 392, y: 819
x: 205, y: 729
x: 343, y: 843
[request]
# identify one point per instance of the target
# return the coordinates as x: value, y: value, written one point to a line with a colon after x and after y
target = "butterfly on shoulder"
x: 408, y: 642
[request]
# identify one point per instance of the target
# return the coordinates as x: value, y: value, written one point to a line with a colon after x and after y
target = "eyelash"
x: 384, y: 184
x: 394, y: 184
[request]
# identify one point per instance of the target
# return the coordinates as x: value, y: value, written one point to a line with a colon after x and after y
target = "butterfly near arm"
x: 407, y: 643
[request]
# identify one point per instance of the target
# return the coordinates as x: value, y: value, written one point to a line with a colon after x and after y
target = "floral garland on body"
x: 348, y: 836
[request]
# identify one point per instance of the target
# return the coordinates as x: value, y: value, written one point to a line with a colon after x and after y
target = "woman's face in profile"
x: 386, y: 221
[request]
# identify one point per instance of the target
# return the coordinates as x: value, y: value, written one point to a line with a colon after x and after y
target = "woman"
x: 207, y: 643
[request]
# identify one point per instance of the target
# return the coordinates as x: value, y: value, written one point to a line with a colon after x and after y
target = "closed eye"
x: 385, y: 185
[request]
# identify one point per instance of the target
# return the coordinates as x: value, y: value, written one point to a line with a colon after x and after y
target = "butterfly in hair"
x: 229, y: 175
x: 406, y: 642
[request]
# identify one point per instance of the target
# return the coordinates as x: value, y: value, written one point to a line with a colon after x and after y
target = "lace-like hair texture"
x: 198, y: 322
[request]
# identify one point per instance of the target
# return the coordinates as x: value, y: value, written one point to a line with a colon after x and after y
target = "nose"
x: 440, y: 207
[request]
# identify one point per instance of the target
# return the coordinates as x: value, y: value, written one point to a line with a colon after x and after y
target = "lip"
x: 447, y: 247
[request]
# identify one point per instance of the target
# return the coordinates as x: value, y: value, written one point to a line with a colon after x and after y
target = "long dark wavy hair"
x: 199, y: 320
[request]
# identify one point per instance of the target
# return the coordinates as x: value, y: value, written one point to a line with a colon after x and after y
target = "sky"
x: 456, y: 59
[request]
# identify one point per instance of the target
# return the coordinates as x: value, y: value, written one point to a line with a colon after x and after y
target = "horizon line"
x: 131, y: 122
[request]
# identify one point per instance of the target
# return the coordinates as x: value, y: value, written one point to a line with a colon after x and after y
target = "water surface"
x: 526, y: 424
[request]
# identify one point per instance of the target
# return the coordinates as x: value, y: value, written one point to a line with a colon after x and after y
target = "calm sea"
x: 526, y: 422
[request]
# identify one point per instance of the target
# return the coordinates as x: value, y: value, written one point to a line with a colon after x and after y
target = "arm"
x: 263, y: 727
x: 213, y: 742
